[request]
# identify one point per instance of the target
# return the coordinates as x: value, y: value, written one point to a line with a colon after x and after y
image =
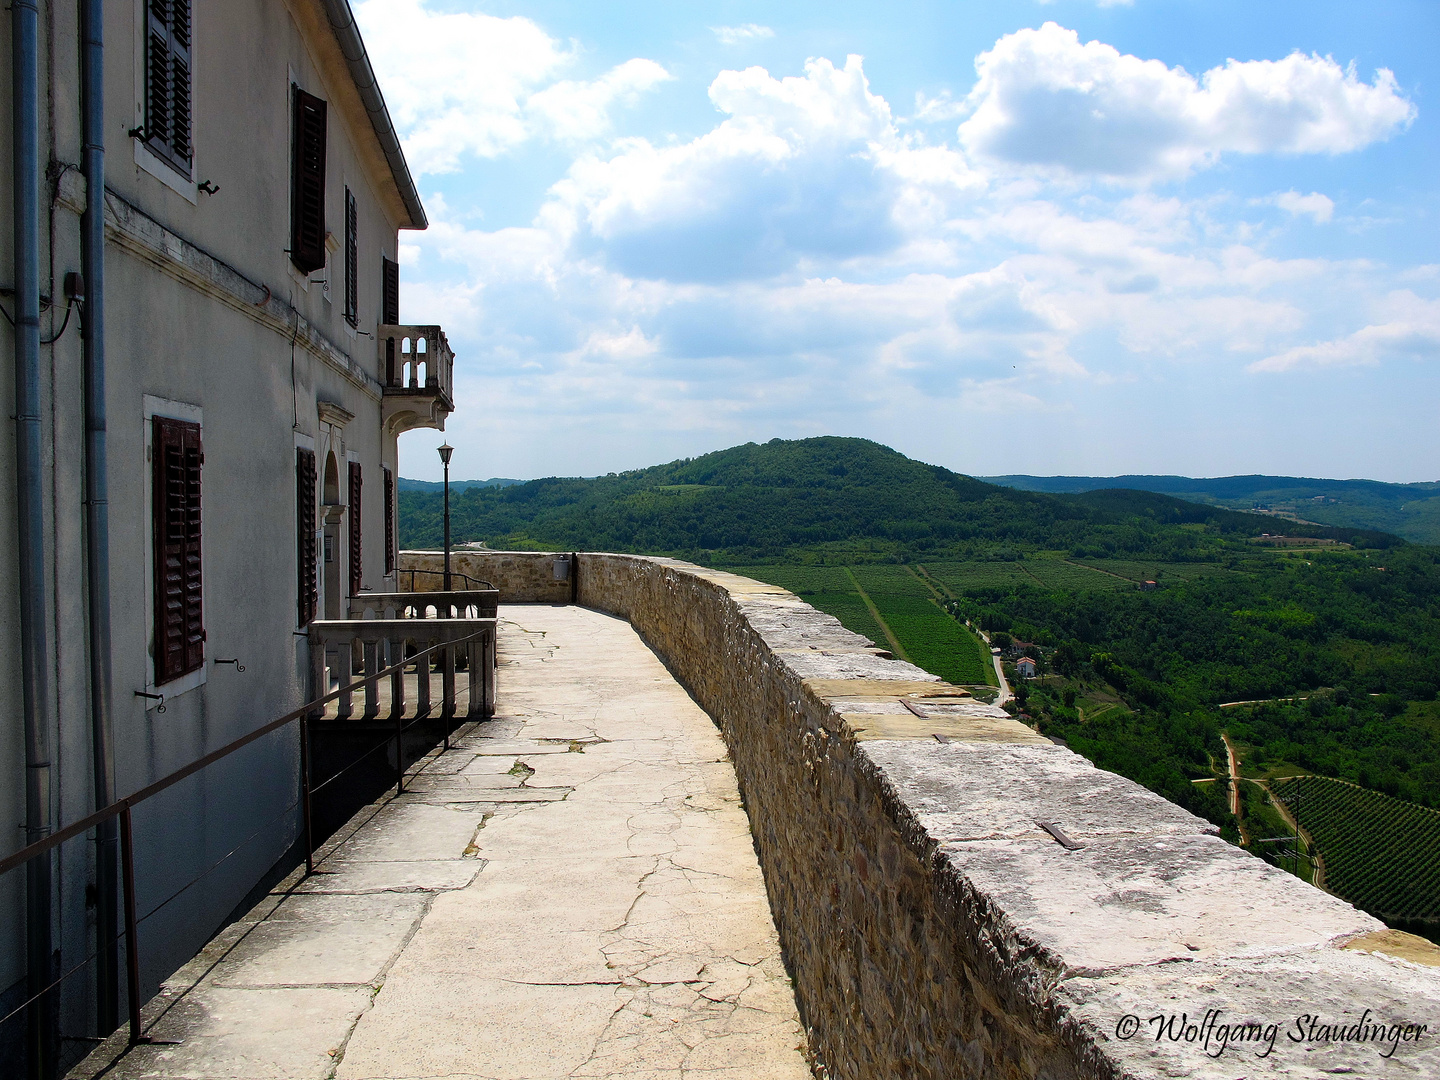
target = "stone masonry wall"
x: 523, y: 577
x: 935, y: 929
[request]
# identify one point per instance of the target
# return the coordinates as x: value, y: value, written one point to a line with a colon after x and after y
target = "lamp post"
x: 445, y: 451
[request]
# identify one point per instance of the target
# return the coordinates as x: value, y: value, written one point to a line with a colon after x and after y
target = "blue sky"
x: 1168, y: 236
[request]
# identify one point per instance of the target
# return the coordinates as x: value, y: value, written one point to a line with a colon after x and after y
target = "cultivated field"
x: 1379, y: 852
x: 926, y: 634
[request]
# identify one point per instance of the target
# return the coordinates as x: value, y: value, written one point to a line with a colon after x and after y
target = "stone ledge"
x: 933, y: 927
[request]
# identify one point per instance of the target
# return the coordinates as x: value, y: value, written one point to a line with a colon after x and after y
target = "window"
x: 357, y: 577
x: 352, y: 261
x: 389, y: 310
x: 176, y: 459
x: 390, y: 555
x: 389, y: 291
x: 307, y: 183
x: 167, y: 83
x: 308, y: 589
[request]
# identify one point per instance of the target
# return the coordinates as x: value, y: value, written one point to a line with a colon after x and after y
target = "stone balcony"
x: 417, y: 369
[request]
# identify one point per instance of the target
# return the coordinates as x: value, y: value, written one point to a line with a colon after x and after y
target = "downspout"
x: 97, y: 509
x: 30, y: 533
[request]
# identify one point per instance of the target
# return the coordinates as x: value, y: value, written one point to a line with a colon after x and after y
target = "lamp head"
x: 445, y: 450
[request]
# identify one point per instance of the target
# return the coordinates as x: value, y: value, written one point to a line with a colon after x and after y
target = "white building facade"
x: 255, y: 384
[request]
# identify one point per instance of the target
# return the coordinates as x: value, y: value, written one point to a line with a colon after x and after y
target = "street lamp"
x: 445, y: 451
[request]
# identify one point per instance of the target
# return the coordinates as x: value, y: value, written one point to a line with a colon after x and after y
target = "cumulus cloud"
x: 463, y: 83
x: 1320, y: 207
x: 803, y: 167
x: 734, y: 35
x: 581, y: 110
x: 1412, y: 332
x: 1044, y: 100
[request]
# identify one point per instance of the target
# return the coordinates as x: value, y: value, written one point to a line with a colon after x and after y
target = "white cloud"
x: 1411, y: 332
x: 734, y: 35
x: 803, y: 167
x: 1320, y: 207
x: 1044, y: 100
x: 462, y: 84
x: 576, y: 111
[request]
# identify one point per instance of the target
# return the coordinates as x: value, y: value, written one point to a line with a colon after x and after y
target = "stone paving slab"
x: 570, y: 891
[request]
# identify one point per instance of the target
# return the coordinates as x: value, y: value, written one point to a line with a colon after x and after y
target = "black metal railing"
x: 122, y: 808
x: 470, y: 583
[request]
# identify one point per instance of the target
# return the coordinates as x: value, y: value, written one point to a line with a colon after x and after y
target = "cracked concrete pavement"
x: 569, y: 892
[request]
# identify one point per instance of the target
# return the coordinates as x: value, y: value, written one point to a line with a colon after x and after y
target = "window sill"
x: 162, y: 171
x: 178, y: 686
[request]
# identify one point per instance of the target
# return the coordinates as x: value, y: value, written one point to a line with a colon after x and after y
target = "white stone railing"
x: 381, y: 643
x: 456, y: 604
x: 417, y: 376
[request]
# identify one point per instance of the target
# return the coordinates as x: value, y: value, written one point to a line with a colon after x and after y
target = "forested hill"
x: 1408, y: 510
x: 828, y: 498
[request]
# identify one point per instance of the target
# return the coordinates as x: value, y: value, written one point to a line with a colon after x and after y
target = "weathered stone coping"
x: 934, y: 928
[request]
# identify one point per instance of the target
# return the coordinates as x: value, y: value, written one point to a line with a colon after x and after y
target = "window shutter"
x: 352, y: 260
x: 390, y: 556
x: 167, y: 82
x: 389, y: 310
x: 307, y: 194
x: 308, y: 590
x: 176, y: 461
x: 390, y: 291
x: 357, y: 576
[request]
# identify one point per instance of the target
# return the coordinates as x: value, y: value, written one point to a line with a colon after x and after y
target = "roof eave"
x: 347, y: 33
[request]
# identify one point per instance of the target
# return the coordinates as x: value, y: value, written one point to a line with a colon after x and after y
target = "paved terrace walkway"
x: 571, y: 892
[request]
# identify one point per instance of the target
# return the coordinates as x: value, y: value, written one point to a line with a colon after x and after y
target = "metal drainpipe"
x: 97, y: 510
x: 30, y: 534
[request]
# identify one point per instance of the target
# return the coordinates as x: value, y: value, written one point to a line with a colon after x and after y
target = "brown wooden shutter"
x: 307, y: 192
x: 167, y: 82
x: 389, y: 310
x: 389, y: 291
x: 357, y: 576
x: 352, y: 260
x: 390, y: 554
x: 305, y: 553
x: 176, y: 460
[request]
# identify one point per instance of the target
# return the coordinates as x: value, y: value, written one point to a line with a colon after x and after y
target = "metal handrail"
x: 470, y: 583
x: 121, y: 808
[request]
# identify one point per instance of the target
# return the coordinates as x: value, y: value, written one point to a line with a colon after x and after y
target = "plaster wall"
x: 932, y: 927
x: 206, y: 320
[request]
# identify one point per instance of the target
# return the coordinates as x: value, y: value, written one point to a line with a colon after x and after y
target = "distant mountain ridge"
x: 1411, y: 511
x: 826, y: 498
x: 456, y: 485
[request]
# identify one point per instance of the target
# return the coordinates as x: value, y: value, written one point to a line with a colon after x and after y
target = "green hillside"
x: 1411, y: 511
x: 826, y: 499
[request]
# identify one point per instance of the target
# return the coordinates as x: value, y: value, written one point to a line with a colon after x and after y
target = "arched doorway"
x: 334, y: 513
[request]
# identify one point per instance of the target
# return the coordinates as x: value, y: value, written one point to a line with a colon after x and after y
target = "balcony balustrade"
x: 384, y: 628
x: 456, y: 604
x: 417, y: 373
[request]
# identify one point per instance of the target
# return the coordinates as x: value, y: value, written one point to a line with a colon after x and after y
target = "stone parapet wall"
x: 523, y: 577
x: 935, y: 928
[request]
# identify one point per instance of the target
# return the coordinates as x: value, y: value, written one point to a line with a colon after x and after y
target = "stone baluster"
x: 395, y: 653
x: 343, y: 705
x: 372, y: 688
